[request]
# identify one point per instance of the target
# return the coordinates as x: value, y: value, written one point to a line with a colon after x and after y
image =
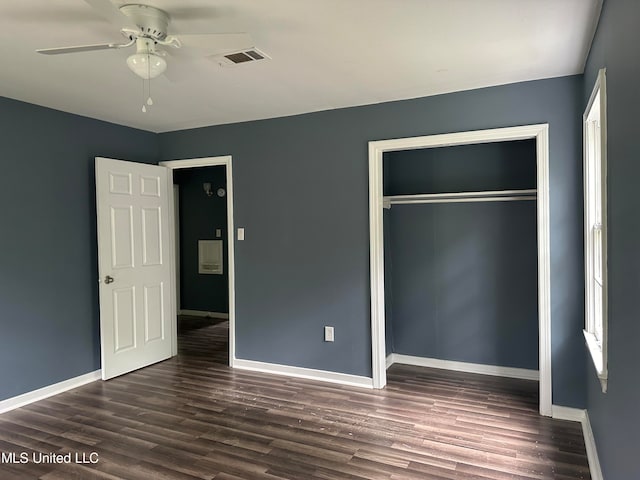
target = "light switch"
x: 240, y: 233
x: 328, y: 334
x: 218, y: 232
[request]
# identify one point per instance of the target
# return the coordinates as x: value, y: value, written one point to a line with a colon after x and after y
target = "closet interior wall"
x: 461, y: 271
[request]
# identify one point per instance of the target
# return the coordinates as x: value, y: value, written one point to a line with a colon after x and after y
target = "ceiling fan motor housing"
x: 152, y: 22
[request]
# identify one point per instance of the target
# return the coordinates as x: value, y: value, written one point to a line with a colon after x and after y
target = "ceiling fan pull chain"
x: 149, y: 100
x: 144, y: 108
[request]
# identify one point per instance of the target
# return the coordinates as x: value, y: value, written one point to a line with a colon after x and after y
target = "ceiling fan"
x: 147, y: 28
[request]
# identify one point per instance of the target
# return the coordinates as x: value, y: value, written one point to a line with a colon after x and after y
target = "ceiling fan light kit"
x: 147, y: 65
x: 146, y: 62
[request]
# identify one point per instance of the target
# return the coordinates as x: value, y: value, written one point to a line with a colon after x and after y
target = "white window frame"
x: 595, y: 226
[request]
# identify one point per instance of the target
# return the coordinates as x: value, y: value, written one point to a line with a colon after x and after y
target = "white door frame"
x: 208, y: 162
x: 376, y: 239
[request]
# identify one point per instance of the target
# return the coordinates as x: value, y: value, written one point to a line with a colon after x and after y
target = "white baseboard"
x: 45, y: 392
x: 568, y: 413
x: 389, y: 361
x: 308, y: 373
x: 496, y: 371
x: 582, y: 416
x: 592, y: 452
x: 200, y: 313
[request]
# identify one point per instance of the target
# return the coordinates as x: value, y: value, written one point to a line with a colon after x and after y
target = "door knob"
x: 108, y: 279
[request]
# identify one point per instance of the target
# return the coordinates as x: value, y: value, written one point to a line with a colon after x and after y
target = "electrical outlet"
x: 218, y: 232
x: 328, y: 334
x: 240, y: 234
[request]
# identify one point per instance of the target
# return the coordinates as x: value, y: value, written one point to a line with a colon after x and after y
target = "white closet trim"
x: 377, y: 149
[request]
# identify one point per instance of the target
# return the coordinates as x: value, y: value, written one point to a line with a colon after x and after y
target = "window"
x: 595, y: 227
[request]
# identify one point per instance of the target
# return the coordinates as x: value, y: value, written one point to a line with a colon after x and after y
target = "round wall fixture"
x: 221, y: 192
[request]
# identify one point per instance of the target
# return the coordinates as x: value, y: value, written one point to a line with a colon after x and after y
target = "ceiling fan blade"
x: 178, y: 73
x: 197, y: 13
x: 81, y: 48
x: 180, y: 67
x: 112, y: 13
x: 215, y: 43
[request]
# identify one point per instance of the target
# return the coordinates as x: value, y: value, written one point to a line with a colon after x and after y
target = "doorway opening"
x: 203, y: 254
x: 377, y: 149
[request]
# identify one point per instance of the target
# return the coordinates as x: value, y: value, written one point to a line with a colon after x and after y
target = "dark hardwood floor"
x: 193, y: 417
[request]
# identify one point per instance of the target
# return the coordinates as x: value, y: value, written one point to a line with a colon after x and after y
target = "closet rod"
x: 389, y: 202
x: 486, y: 193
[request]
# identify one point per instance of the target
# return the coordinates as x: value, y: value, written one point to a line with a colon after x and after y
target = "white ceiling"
x: 325, y: 54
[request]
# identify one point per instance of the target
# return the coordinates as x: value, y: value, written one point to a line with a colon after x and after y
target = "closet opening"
x: 459, y: 254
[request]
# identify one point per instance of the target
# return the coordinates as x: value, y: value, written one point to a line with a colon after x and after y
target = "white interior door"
x: 134, y: 265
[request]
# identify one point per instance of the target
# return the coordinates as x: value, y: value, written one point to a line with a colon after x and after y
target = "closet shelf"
x: 459, y: 197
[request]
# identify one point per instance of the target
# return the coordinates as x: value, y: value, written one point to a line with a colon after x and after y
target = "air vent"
x: 243, y: 56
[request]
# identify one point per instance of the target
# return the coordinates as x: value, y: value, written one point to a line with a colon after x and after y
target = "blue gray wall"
x: 462, y: 168
x: 48, y: 266
x: 388, y: 276
x: 464, y: 282
x: 614, y: 415
x: 200, y: 216
x: 300, y: 188
x: 463, y: 276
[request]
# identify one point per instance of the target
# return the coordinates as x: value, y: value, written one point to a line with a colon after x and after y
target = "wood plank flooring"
x: 192, y: 417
